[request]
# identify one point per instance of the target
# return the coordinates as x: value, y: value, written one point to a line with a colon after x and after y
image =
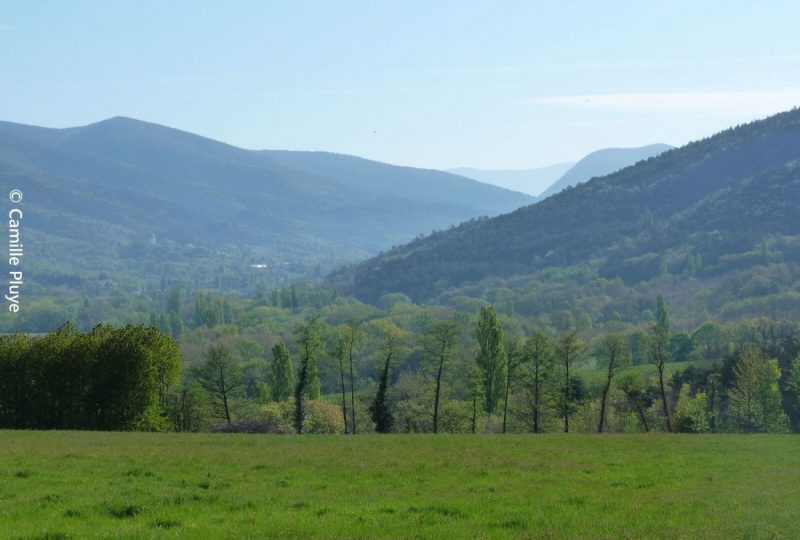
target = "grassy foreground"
x: 140, y: 485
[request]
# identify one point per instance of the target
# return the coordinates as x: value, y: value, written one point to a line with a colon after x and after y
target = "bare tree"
x: 614, y: 354
x: 439, y: 342
x: 539, y: 355
x: 659, y: 356
x: 568, y: 350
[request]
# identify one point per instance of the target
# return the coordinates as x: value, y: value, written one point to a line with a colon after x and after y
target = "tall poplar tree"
x: 309, y: 339
x: 491, y: 357
x: 659, y: 353
x: 282, y: 374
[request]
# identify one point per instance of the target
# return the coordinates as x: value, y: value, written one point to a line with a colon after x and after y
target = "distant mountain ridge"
x: 107, y: 185
x: 601, y: 163
x: 531, y: 181
x: 703, y: 206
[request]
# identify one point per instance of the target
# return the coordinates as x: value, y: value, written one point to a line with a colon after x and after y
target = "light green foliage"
x: 755, y: 398
x: 691, y: 412
x: 793, y: 388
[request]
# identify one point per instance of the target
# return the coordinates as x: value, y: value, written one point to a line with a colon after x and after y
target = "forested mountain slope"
x: 704, y: 209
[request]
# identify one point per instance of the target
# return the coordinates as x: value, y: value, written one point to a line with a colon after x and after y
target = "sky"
x: 436, y: 84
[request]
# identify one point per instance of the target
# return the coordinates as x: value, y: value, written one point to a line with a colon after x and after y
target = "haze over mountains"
x: 722, y: 206
x: 545, y: 181
x: 105, y: 187
x: 601, y: 163
x: 530, y: 181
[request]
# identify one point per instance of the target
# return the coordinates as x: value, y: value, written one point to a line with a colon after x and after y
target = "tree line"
x: 530, y: 383
x: 436, y: 372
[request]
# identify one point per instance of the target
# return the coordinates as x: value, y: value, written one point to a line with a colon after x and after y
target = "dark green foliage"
x: 221, y: 377
x: 568, y: 350
x: 640, y: 396
x: 106, y: 379
x: 309, y: 337
x: 680, y: 347
x: 187, y: 407
x: 538, y: 357
x: 491, y: 357
x: 282, y: 373
x: 380, y: 409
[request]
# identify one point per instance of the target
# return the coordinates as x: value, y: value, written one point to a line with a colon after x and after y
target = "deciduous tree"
x: 221, y: 377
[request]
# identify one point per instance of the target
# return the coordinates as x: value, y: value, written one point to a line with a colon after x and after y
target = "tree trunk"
x: 474, y: 413
x: 664, y: 395
x: 566, y: 397
x: 436, y: 399
x: 642, y: 417
x: 352, y: 391
x: 508, y: 390
x: 344, y: 394
x: 224, y: 393
x: 609, y: 375
x: 603, y: 407
x: 536, y: 399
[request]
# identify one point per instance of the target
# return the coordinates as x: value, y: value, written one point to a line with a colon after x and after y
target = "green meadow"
x: 147, y: 485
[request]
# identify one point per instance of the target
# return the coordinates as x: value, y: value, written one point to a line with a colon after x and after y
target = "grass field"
x: 140, y: 485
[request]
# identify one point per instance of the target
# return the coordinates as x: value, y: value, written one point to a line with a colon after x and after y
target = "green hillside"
x: 694, y: 223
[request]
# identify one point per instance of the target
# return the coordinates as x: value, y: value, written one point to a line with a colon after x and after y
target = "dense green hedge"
x: 106, y: 379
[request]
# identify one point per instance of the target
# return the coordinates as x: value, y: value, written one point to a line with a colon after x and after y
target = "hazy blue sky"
x: 436, y: 84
